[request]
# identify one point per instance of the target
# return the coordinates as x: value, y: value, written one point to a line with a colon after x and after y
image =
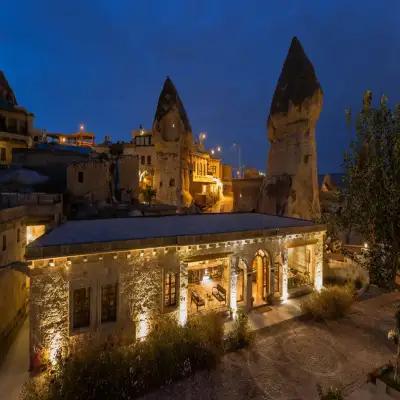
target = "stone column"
x: 183, y: 285
x: 319, y: 263
x: 284, y: 291
x: 233, y: 264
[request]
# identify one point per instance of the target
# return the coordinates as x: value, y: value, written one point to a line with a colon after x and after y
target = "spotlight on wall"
x: 100, y: 257
x: 85, y: 259
x: 69, y: 262
x: 142, y: 253
x: 128, y: 255
x: 154, y: 252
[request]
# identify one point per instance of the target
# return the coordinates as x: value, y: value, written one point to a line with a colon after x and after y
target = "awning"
x: 205, y: 257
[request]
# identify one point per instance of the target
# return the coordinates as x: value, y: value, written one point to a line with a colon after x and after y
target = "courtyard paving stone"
x: 289, y: 358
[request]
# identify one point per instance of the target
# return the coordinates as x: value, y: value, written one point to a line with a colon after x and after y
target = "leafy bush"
x: 330, y: 303
x: 331, y: 394
x: 240, y: 336
x: 168, y: 353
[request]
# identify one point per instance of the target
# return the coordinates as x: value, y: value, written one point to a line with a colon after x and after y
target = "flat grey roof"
x: 122, y: 229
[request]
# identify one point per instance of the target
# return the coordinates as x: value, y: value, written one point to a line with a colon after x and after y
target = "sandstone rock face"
x: 291, y: 186
x: 6, y: 93
x: 172, y: 135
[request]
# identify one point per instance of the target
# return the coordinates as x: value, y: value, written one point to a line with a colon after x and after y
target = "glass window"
x: 80, y: 177
x: 3, y: 154
x: 170, y: 290
x: 81, y: 308
x: 109, y: 303
x: 148, y: 160
x: 143, y: 160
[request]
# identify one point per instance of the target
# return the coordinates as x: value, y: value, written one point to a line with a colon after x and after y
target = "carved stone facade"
x: 291, y: 187
x: 141, y: 270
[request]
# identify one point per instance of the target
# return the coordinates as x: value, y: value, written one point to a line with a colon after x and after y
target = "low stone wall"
x: 337, y: 266
x: 14, y: 293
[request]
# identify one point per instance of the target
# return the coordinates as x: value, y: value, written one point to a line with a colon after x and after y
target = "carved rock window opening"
x: 81, y: 308
x: 172, y: 182
x: 170, y: 290
x: 109, y: 303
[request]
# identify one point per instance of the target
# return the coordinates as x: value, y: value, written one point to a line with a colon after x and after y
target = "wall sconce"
x: 128, y: 255
x: 154, y: 252
x: 100, y: 257
x: 85, y: 259
x: 115, y: 257
x: 69, y: 262
x: 52, y: 263
x: 142, y: 253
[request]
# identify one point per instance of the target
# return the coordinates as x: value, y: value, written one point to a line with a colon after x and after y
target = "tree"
x: 148, y: 194
x: 372, y: 188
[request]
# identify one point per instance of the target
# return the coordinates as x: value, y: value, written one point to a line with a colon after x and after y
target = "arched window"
x: 172, y: 182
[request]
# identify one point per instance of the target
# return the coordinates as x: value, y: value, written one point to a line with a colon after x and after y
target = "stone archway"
x: 260, y: 285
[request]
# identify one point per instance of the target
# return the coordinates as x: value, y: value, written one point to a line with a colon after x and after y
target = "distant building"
x: 16, y: 124
x: 105, y: 179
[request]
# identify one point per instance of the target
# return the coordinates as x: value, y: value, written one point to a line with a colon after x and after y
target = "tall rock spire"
x: 6, y: 93
x: 297, y: 81
x: 172, y: 138
x: 291, y: 186
x: 168, y: 101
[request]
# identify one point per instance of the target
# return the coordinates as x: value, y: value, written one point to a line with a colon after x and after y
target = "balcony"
x: 203, y: 178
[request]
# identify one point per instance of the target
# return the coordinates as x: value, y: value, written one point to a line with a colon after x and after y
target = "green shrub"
x: 168, y: 353
x: 330, y: 303
x: 240, y: 336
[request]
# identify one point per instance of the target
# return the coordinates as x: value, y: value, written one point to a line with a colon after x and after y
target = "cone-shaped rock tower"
x: 291, y: 187
x: 6, y: 93
x: 173, y: 139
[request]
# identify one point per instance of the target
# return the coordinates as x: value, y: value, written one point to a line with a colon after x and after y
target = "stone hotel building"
x: 114, y: 276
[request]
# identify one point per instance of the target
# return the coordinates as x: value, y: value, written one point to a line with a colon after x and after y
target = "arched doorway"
x: 260, y: 278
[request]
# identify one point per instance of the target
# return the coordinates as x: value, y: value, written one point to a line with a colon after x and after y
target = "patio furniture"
x: 219, y: 293
x: 196, y: 299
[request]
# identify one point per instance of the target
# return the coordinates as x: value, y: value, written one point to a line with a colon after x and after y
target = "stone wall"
x: 129, y: 175
x: 246, y: 192
x: 140, y: 276
x: 14, y: 292
x: 13, y: 234
x: 96, y: 179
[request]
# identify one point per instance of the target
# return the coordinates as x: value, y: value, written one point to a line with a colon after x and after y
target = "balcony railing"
x: 21, y: 199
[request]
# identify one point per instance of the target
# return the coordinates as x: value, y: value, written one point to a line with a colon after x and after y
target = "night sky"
x: 103, y: 63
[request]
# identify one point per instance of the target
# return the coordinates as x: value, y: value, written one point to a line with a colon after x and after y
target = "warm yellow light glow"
x: 81, y: 127
x: 237, y: 172
x: 285, y: 294
x: 219, y: 148
x: 212, y: 151
x: 33, y: 232
x: 143, y: 326
x: 366, y: 245
x: 54, y: 348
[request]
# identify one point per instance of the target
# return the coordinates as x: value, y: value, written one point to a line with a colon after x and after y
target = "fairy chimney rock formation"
x: 6, y: 93
x: 291, y: 187
x: 172, y: 135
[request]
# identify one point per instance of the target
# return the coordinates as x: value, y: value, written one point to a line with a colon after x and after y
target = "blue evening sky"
x: 103, y: 63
